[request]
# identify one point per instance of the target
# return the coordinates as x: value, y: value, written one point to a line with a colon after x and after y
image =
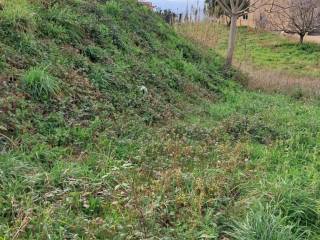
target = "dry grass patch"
x: 280, y: 81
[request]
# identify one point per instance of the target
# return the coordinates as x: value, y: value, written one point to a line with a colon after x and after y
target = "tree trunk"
x: 301, y: 38
x: 232, y: 40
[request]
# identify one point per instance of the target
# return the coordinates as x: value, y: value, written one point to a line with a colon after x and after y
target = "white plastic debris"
x: 144, y: 90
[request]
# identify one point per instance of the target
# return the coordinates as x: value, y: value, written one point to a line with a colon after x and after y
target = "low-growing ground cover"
x: 245, y: 167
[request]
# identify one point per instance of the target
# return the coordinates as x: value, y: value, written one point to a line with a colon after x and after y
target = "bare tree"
x: 213, y: 8
x: 295, y: 17
x: 235, y: 9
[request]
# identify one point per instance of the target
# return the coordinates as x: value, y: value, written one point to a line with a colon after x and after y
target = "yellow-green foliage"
x: 17, y: 14
x: 40, y: 84
x: 113, y: 8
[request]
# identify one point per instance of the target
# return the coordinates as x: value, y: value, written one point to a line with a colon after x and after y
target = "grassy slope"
x: 196, y: 158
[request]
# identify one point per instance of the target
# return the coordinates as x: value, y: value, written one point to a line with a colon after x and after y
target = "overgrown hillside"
x: 112, y: 126
x: 94, y: 57
x: 82, y: 82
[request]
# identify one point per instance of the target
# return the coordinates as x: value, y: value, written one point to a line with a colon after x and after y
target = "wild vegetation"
x: 113, y: 126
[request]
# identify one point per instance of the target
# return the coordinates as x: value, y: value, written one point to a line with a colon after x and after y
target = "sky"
x: 176, y: 5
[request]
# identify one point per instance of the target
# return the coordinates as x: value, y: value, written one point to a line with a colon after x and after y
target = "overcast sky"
x: 176, y: 5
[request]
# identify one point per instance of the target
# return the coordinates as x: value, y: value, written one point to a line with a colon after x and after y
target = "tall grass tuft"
x: 17, y: 14
x: 299, y: 205
x: 264, y: 224
x: 113, y: 8
x: 40, y: 84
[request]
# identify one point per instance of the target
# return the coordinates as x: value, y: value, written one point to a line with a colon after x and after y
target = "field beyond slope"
x: 275, y: 63
x: 112, y: 126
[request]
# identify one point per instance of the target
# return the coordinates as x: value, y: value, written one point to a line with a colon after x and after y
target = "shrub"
x: 116, y: 37
x: 40, y: 84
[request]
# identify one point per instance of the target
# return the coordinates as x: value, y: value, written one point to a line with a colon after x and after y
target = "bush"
x: 40, y: 84
x: 189, y: 53
x: 116, y: 37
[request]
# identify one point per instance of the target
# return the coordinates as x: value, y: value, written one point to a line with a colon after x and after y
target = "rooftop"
x: 147, y: 3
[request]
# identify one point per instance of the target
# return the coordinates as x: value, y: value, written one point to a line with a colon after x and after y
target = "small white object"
x: 144, y: 90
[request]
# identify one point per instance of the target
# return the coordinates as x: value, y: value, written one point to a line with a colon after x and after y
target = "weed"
x: 99, y: 33
x: 297, y: 94
x: 242, y: 127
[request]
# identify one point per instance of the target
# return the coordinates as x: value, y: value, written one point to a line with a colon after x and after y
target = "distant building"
x: 147, y: 4
x: 259, y: 18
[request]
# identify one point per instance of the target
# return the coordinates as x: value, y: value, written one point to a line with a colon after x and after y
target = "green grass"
x: 272, y: 51
x: 197, y: 157
x: 17, y: 14
x: 40, y: 84
x: 264, y: 225
x: 203, y: 176
x: 277, y: 143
